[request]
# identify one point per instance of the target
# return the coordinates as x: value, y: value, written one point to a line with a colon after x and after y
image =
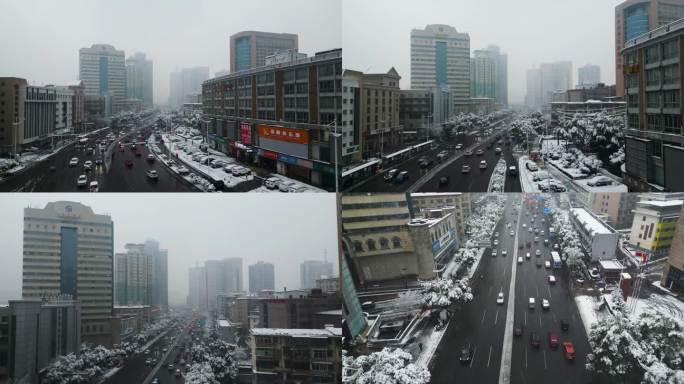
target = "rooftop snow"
x: 223, y: 323
x: 327, y: 332
x: 611, y: 264
x: 590, y: 223
x: 429, y: 194
x: 659, y: 203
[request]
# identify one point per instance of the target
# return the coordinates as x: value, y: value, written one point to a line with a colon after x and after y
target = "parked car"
x: 271, y: 182
x: 599, y: 181
x: 183, y: 170
x: 284, y: 186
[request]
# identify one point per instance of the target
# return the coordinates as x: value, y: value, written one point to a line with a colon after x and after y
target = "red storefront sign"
x: 269, y: 155
x: 245, y: 133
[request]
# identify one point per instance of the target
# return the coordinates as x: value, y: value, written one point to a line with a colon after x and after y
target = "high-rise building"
x: 489, y: 74
x: 222, y: 277
x: 141, y: 275
x: 186, y: 82
x: 420, y: 111
x: 636, y: 17
x: 102, y: 69
x: 588, y: 76
x: 654, y: 137
x: 197, y: 288
x: 350, y: 124
x: 160, y: 286
x: 40, y: 330
x: 249, y: 49
x: 615, y: 207
x: 555, y: 76
x: 673, y: 273
x: 139, y: 79
x: 78, y: 113
x: 654, y: 225
x: 312, y: 270
x: 68, y: 249
x: 261, y: 277
x: 440, y: 56
x: 533, y: 97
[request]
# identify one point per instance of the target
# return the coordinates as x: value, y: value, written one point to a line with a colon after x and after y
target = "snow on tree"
x: 442, y: 292
x: 200, y: 373
x: 597, y: 132
x: 389, y: 366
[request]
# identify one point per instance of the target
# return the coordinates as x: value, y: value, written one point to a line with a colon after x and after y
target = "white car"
x: 531, y: 303
x: 94, y: 186
x: 183, y: 171
x: 493, y: 252
x: 524, y: 225
x: 73, y: 162
x: 285, y: 186
x: 271, y: 183
x: 545, y: 304
x: 520, y: 260
x: 88, y: 165
x: 500, y: 298
x: 496, y: 234
x: 512, y: 233
x: 552, y: 279
x: 152, y: 174
x: 504, y: 253
x: 547, y: 264
x: 483, y: 164
x: 537, y: 252
x: 527, y: 255
x: 496, y: 242
x: 82, y: 181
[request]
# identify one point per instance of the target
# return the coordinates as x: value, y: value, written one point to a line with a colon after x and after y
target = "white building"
x: 598, y: 238
x: 64, y: 109
x: 435, y: 238
x: 588, y: 76
x: 349, y: 125
x: 654, y: 225
x: 102, y: 69
x: 68, y: 249
x: 440, y: 56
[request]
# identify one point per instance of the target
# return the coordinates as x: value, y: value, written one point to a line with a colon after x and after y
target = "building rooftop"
x: 291, y: 332
x: 223, y: 323
x: 590, y: 223
x: 662, y: 203
x: 611, y: 264
x: 431, y: 194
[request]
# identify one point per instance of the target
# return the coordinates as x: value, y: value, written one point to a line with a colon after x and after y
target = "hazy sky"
x: 282, y: 229
x: 376, y: 34
x: 40, y: 39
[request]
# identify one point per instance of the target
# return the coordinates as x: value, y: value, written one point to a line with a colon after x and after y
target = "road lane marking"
x: 490, y: 356
x: 525, y: 318
x: 525, y: 357
x: 496, y: 317
x: 537, y: 288
x: 554, y: 318
x: 483, y: 316
x: 490, y: 291
x: 544, y: 358
x: 540, y: 319
x: 549, y: 289
x: 473, y: 359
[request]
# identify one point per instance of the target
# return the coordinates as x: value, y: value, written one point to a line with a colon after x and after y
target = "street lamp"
x: 335, y: 135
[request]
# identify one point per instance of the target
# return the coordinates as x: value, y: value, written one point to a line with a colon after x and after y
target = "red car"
x: 129, y: 163
x: 569, y: 351
x: 553, y: 340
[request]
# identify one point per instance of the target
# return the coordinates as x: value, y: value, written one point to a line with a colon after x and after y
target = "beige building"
x: 673, y: 274
x: 653, y: 229
x: 379, y: 111
x: 376, y: 227
x: 435, y: 239
x: 68, y: 249
x: 296, y: 355
x: 459, y: 201
x: 102, y: 69
x: 615, y: 208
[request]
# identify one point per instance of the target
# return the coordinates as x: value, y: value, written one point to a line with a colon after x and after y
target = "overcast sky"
x: 282, y: 229
x: 376, y: 34
x: 40, y: 39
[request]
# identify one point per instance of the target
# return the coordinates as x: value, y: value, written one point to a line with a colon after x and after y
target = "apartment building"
x: 654, y: 226
x: 419, y: 201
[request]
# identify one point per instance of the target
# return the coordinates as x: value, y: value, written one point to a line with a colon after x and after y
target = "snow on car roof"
x: 590, y: 223
x: 318, y: 333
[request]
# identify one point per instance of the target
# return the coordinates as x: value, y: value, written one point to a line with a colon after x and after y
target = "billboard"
x: 443, y: 241
x: 290, y: 135
x: 245, y: 133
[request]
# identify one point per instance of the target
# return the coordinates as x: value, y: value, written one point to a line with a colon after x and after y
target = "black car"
x: 466, y: 353
x: 539, y: 263
x: 534, y: 339
x: 518, y: 329
x: 564, y: 325
x: 444, y: 180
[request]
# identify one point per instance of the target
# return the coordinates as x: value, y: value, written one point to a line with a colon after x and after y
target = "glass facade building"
x: 636, y: 21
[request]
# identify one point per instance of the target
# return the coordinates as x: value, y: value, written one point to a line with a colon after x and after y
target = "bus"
x: 556, y: 260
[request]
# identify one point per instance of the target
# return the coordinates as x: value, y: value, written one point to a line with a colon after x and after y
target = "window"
x: 653, y: 99
x: 671, y: 74
x: 384, y: 243
x: 370, y: 243
x: 633, y: 100
x: 396, y: 242
x: 652, y: 54
x: 653, y: 77
x: 670, y: 49
x: 671, y: 99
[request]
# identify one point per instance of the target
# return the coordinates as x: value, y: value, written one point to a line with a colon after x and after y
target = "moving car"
x: 553, y: 340
x: 569, y: 351
x: 444, y: 180
x: 82, y: 181
x: 504, y: 253
x: 531, y: 303
x: 500, y: 298
x: 534, y: 339
x: 170, y: 367
x: 537, y: 253
x: 564, y: 325
x: 552, y: 279
x: 178, y: 373
x: 496, y: 242
x: 466, y: 353
x: 547, y: 264
x: 497, y: 151
x: 493, y: 252
x: 512, y: 233
x: 73, y: 162
x: 150, y: 157
x: 391, y: 174
x: 546, y: 304
x: 459, y: 146
x: 513, y: 170
x: 479, y: 152
x: 152, y: 174
x: 402, y: 176
x: 88, y: 165
x: 465, y: 169
x: 520, y: 260
x: 468, y: 153
x: 94, y: 186
x: 517, y: 329
x: 538, y: 263
x: 128, y: 163
x: 527, y: 255
x: 483, y: 164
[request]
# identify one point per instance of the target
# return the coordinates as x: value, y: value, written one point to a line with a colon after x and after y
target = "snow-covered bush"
x: 498, y: 180
x: 443, y: 292
x: 389, y: 366
x: 570, y: 242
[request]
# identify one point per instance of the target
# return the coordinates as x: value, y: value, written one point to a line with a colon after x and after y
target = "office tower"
x: 197, y: 288
x: 160, y: 269
x: 186, y: 83
x: 133, y: 276
x: 102, y: 69
x: 75, y: 242
x: 261, y: 277
x: 533, y: 97
x: 440, y: 56
x: 673, y: 273
x: 312, y: 270
x: 588, y: 76
x: 555, y: 76
x: 653, y: 91
x: 249, y: 49
x: 616, y: 208
x: 489, y: 75
x: 139, y: 72
x: 636, y: 17
x: 222, y: 277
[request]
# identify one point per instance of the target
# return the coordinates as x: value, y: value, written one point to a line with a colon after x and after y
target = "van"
x: 531, y: 303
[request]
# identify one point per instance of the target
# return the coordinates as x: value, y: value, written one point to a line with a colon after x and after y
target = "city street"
x: 482, y: 322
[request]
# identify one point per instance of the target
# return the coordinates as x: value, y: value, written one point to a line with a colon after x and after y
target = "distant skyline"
x: 281, y: 229
x: 376, y: 34
x: 41, y: 39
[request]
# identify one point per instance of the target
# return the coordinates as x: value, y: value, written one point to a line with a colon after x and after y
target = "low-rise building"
x: 673, y: 274
x: 616, y: 207
x: 141, y: 315
x: 296, y: 355
x: 610, y: 269
x: 599, y: 239
x: 426, y: 200
x: 328, y: 284
x: 4, y: 342
x: 435, y: 239
x: 654, y: 226
x: 423, y: 110
x: 569, y: 108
